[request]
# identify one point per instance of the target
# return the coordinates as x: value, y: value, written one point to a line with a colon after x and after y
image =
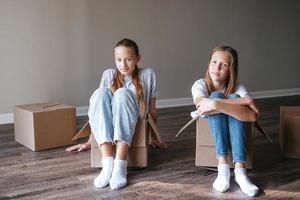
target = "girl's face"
x: 126, y: 60
x: 219, y: 66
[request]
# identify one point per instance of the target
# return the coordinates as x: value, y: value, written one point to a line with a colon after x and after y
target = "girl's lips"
x: 215, y: 74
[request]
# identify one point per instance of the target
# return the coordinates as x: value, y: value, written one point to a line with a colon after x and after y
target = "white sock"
x: 118, y: 177
x: 103, y: 178
x: 222, y: 183
x: 244, y: 182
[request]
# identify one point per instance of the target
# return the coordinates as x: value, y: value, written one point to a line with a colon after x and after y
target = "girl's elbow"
x: 253, y: 117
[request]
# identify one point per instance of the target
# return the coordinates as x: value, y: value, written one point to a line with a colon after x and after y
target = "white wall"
x: 57, y: 49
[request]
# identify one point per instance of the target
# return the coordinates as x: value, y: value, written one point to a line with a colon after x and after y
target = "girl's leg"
x: 100, y: 118
x: 237, y: 131
x: 125, y: 115
x: 218, y: 124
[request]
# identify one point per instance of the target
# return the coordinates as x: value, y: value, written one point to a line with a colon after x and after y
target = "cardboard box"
x: 138, y: 151
x: 44, y: 125
x: 205, y: 149
x: 289, y: 134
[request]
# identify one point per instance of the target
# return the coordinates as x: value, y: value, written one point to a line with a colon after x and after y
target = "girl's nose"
x: 123, y: 63
x: 218, y: 66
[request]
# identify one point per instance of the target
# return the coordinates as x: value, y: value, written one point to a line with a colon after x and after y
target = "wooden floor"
x: 55, y: 174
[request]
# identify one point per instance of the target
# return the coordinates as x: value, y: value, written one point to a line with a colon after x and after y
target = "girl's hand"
x: 153, y: 142
x: 252, y: 105
x: 79, y: 147
x: 207, y: 106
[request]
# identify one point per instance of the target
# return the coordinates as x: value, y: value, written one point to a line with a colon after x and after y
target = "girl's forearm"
x: 240, y: 112
x: 238, y: 101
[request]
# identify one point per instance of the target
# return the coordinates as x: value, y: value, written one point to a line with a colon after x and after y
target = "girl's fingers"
x: 73, y: 148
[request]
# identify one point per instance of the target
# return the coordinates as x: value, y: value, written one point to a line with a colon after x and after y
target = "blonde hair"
x: 118, y: 81
x: 231, y: 81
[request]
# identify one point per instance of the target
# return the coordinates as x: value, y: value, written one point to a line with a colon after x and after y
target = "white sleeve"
x: 154, y: 85
x: 199, y: 89
x: 241, y: 90
x: 106, y: 78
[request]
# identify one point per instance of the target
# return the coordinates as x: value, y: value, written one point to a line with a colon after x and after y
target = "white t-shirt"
x: 199, y: 89
x: 147, y: 79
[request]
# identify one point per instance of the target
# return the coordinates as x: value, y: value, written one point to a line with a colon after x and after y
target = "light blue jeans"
x: 116, y: 114
x: 226, y: 131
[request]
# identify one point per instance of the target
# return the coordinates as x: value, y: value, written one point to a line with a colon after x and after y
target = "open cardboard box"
x: 138, y: 151
x: 289, y: 134
x: 205, y: 149
x: 42, y: 126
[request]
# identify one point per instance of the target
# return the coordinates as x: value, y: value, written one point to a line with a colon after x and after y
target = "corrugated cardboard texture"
x: 138, y: 151
x: 286, y: 133
x: 205, y: 149
x: 291, y: 137
x: 44, y: 125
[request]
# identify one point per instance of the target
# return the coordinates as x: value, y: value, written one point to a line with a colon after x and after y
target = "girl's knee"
x: 122, y: 92
x: 123, y: 95
x: 217, y: 94
x: 105, y: 93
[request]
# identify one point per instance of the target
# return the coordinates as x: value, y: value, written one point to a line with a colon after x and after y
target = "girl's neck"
x: 219, y: 86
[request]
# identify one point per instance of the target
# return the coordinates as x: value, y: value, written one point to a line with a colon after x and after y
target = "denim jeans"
x: 228, y: 131
x: 113, y: 116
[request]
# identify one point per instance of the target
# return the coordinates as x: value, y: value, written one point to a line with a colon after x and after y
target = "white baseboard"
x: 6, y: 118
x: 176, y: 102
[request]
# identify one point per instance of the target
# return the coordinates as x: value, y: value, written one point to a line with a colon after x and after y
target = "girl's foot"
x: 244, y: 182
x: 222, y: 183
x: 103, y: 178
x: 118, y: 177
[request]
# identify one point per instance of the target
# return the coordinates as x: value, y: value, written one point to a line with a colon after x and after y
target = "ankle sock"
x: 118, y: 177
x: 222, y: 181
x: 244, y: 182
x: 103, y: 178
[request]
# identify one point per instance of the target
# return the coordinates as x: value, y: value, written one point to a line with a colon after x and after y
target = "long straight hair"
x: 118, y: 80
x: 231, y: 81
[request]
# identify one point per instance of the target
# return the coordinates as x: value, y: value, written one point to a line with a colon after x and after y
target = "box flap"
x: 85, y: 131
x: 154, y: 128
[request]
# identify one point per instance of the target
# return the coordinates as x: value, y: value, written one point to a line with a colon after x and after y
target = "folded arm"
x: 243, y: 109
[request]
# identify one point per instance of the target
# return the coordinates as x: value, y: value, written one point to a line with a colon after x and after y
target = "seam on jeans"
x: 122, y: 141
x: 240, y: 161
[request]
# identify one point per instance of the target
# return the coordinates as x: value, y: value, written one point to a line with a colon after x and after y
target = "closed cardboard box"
x: 44, y: 125
x: 289, y: 135
x: 205, y: 149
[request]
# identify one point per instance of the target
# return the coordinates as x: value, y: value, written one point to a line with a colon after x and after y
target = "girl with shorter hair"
x: 125, y: 95
x: 227, y: 106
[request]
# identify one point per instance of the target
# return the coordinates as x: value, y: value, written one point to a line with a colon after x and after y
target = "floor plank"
x: 55, y: 174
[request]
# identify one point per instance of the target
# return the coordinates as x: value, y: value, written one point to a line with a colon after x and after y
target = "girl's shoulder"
x: 200, y: 82
x: 109, y: 71
x: 146, y: 71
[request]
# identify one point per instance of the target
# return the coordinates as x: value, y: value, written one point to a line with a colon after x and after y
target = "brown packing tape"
x: 85, y: 131
x: 50, y: 105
